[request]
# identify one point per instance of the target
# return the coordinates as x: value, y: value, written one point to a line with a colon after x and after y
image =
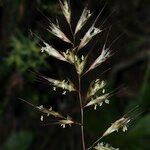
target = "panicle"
x: 104, y: 55
x: 55, y: 30
x: 88, y: 36
x: 86, y: 14
x: 66, y: 10
x: 120, y: 123
x: 98, y: 101
x: 103, y: 146
x: 52, y: 52
x: 95, y: 86
x: 64, y: 84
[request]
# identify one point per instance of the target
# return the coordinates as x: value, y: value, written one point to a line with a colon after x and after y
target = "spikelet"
x: 64, y: 84
x: 95, y: 86
x: 55, y: 30
x: 52, y: 52
x: 88, y: 36
x: 104, y: 55
x: 66, y: 10
x: 120, y: 123
x: 103, y: 146
x: 86, y: 14
x: 67, y: 121
x: 98, y: 101
x: 49, y: 112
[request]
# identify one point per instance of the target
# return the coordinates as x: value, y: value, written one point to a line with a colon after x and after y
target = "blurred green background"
x: 20, y: 126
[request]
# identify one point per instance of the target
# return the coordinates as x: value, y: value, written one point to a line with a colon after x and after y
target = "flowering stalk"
x: 96, y: 93
x: 82, y: 113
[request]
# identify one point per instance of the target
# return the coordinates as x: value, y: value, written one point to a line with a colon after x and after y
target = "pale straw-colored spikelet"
x: 120, y: 123
x: 95, y: 86
x: 49, y: 112
x: 101, y: 58
x: 55, y: 30
x: 65, y: 7
x: 52, y: 52
x: 103, y: 146
x: 88, y: 36
x: 64, y: 84
x: 98, y: 101
x: 67, y: 121
x: 86, y: 14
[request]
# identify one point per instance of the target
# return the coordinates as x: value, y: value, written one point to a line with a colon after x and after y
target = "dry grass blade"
x: 65, y: 7
x: 86, y: 14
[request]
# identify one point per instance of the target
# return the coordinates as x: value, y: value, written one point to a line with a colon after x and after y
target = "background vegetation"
x: 20, y: 126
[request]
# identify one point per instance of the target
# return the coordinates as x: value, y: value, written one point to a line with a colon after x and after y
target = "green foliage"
x: 19, y: 141
x: 50, y: 6
x: 25, y: 54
